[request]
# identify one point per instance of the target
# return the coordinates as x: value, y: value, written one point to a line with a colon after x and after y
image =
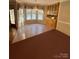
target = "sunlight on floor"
x: 31, y: 30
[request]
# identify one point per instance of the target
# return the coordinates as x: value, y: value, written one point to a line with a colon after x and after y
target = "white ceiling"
x: 41, y: 2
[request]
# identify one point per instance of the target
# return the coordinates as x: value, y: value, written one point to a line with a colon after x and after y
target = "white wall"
x: 63, y: 23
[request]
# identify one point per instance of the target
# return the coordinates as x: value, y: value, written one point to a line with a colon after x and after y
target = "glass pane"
x: 12, y: 17
x: 40, y: 14
x: 33, y: 14
x: 28, y: 14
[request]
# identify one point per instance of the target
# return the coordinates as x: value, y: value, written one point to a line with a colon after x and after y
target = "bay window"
x: 30, y: 14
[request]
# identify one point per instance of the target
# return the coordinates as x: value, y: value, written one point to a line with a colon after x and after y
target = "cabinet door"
x: 50, y: 22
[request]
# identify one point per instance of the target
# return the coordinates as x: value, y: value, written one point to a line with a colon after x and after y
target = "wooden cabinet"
x: 50, y: 22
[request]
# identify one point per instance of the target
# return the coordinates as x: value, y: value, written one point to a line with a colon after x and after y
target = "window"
x: 40, y: 14
x: 12, y: 17
x: 28, y: 14
x: 33, y: 14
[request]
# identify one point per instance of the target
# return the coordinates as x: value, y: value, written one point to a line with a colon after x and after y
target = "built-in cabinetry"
x: 51, y: 14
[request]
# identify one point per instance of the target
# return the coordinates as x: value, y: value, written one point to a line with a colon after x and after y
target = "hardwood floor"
x: 28, y: 31
x: 52, y: 44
